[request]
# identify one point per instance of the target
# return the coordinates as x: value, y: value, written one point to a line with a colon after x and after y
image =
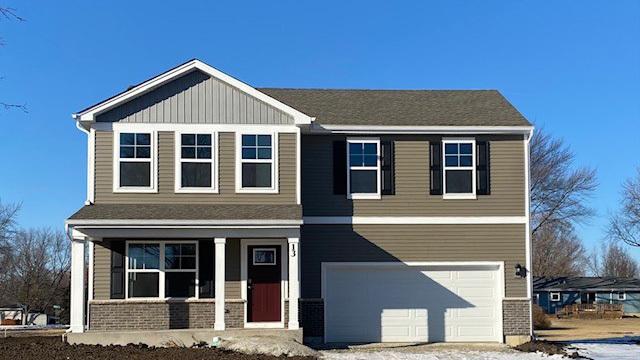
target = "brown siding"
x: 196, y: 98
x: 345, y: 243
x: 102, y: 269
x: 166, y: 178
x: 412, y: 196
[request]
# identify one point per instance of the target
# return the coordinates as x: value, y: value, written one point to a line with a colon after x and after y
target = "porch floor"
x: 175, y: 337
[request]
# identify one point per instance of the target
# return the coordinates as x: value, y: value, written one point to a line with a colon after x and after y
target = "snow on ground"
x: 607, y: 350
x: 437, y: 355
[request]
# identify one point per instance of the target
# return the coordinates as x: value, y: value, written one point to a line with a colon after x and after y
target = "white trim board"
x: 417, y: 129
x: 414, y: 220
x: 151, y: 84
x: 135, y: 222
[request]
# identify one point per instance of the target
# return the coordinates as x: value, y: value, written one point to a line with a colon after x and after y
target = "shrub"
x: 540, y: 319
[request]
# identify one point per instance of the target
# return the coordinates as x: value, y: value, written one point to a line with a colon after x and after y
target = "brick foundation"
x: 143, y: 315
x: 234, y: 314
x: 516, y: 319
x: 311, y: 316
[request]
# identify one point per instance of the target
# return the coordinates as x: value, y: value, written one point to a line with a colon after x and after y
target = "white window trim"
x: 273, y: 161
x: 472, y: 194
x: 213, y: 161
x: 153, y: 177
x: 554, y: 296
x: 356, y: 196
x: 271, y: 250
x: 624, y: 296
x: 162, y: 271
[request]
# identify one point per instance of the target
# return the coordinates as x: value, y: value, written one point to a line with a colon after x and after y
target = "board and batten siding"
x: 412, y: 181
x: 166, y: 178
x: 382, y: 243
x: 102, y: 269
x: 196, y: 98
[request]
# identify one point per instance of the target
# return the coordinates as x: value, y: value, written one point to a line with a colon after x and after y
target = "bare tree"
x: 558, y: 251
x: 615, y: 261
x: 39, y: 269
x: 559, y: 194
x: 559, y: 191
x: 7, y: 13
x: 625, y: 224
x: 8, y: 213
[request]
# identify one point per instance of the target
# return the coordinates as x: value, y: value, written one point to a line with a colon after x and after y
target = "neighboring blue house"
x: 552, y: 293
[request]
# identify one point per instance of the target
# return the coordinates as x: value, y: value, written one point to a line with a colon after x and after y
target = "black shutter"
x: 340, y: 167
x: 435, y: 167
x: 206, y: 269
x: 387, y: 167
x: 483, y: 186
x: 117, y: 269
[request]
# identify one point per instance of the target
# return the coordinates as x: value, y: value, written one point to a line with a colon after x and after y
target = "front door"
x: 263, y: 283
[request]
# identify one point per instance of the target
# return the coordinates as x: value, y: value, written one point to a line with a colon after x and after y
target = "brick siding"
x: 151, y: 315
x: 516, y: 320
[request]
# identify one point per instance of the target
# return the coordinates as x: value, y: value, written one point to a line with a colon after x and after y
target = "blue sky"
x: 570, y: 66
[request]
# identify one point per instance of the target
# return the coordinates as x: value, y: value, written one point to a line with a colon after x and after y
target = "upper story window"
x: 256, y: 168
x: 162, y: 269
x: 134, y: 162
x: 196, y: 169
x: 363, y: 175
x: 459, y: 168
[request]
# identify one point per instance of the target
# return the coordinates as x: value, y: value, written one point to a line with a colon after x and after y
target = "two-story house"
x: 351, y: 215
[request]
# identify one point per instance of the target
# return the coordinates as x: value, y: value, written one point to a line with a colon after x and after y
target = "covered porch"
x: 185, y: 275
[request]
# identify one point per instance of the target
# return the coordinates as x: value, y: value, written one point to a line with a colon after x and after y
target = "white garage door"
x: 399, y: 303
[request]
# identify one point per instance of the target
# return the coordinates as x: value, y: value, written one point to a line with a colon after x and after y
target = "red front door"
x: 263, y: 283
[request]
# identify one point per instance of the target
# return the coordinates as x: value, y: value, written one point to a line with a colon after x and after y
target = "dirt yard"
x: 50, y: 347
x: 573, y: 329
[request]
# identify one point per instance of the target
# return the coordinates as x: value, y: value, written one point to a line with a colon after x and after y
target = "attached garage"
x: 425, y: 302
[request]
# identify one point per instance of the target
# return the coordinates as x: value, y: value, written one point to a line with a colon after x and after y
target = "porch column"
x: 219, y: 282
x: 294, y: 282
x: 77, y: 285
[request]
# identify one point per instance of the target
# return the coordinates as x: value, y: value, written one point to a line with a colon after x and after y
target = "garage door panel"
x: 395, y: 304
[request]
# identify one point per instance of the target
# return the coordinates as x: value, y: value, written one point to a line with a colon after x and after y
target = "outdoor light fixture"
x: 521, y: 271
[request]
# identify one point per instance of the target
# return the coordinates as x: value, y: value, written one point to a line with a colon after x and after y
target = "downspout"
x: 90, y: 158
x: 528, y: 245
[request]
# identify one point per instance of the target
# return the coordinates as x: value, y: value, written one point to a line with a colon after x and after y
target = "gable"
x: 196, y: 98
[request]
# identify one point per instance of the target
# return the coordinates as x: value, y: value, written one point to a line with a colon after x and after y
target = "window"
x: 621, y: 296
x: 459, y: 168
x: 180, y: 269
x: 162, y: 269
x: 555, y: 296
x: 363, y: 175
x: 264, y: 257
x: 134, y: 167
x: 196, y: 169
x: 257, y: 163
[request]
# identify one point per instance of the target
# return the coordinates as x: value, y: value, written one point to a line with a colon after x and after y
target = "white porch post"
x: 219, y: 282
x: 77, y: 285
x: 294, y: 282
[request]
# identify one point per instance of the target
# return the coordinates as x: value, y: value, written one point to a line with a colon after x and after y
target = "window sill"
x: 134, y: 190
x: 364, y: 196
x: 196, y: 191
x: 256, y: 191
x: 459, y: 197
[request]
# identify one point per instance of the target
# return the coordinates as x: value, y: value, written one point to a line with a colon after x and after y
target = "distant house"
x: 12, y: 315
x: 552, y: 293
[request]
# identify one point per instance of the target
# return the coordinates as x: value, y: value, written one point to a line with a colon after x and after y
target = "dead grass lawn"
x: 574, y: 329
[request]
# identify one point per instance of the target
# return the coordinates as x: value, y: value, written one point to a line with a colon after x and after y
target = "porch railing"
x: 592, y: 311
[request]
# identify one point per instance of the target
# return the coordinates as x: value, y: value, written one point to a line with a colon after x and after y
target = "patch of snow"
x: 611, y: 350
x: 266, y: 345
x: 437, y: 355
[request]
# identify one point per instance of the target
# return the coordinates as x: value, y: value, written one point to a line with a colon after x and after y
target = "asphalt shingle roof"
x: 402, y: 107
x: 187, y: 212
x: 585, y: 283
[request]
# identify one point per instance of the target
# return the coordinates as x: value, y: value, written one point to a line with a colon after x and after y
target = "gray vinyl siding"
x: 102, y: 269
x: 379, y: 243
x: 412, y: 181
x: 166, y: 177
x: 196, y: 98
